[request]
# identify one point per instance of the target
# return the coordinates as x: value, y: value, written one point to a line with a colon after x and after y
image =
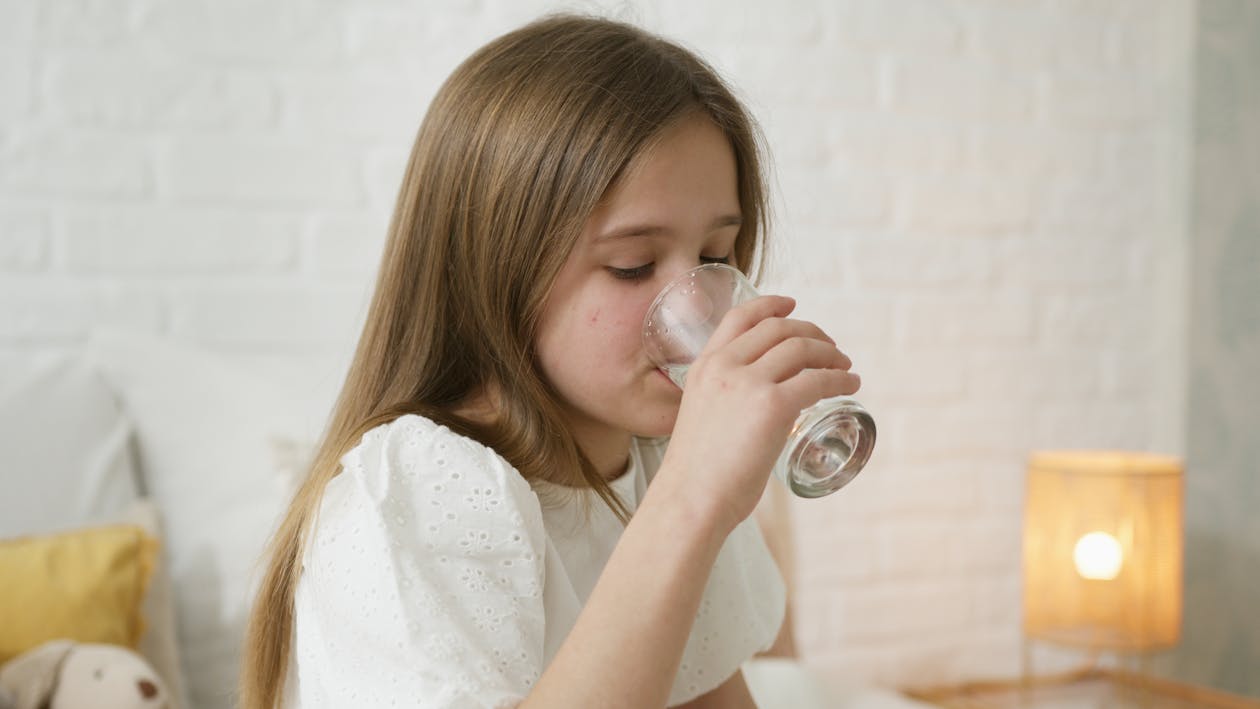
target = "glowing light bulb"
x: 1098, y: 556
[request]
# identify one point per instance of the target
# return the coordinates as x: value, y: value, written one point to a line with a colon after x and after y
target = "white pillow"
x: 205, y: 428
x: 66, y: 447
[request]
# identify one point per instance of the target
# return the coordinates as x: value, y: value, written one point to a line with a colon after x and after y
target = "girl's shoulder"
x: 413, y: 450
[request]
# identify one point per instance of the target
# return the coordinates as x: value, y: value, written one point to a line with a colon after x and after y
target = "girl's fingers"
x: 787, y: 358
x: 768, y: 333
x: 810, y: 385
x: 746, y: 315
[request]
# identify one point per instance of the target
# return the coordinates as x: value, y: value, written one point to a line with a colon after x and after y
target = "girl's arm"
x: 628, y: 641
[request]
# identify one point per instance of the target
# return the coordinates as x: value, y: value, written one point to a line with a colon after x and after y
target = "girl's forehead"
x: 686, y: 174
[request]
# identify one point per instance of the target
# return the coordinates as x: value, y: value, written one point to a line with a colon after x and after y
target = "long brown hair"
x: 515, y: 152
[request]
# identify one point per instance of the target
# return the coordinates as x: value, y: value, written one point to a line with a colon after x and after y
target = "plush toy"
x: 63, y: 674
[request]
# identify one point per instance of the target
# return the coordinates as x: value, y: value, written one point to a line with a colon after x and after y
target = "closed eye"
x: 640, y: 272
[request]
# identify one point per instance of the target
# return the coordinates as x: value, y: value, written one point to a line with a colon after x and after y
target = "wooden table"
x: 1089, y: 689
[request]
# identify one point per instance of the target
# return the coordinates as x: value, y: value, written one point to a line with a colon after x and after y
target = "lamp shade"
x: 1103, y: 549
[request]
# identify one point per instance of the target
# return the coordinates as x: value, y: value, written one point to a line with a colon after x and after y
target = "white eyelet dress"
x: 436, y: 576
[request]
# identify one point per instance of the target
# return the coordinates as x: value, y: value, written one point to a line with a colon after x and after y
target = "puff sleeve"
x: 422, y: 581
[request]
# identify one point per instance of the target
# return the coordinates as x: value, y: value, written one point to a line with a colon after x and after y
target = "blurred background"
x: 1032, y: 224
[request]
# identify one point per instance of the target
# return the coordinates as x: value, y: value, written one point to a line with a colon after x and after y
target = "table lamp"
x: 1103, y: 549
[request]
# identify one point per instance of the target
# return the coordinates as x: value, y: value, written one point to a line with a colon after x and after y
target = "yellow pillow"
x: 86, y: 585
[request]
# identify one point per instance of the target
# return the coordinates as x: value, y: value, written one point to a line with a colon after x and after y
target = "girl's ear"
x: 32, y: 676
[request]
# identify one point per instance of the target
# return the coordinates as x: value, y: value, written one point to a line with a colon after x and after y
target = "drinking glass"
x: 830, y: 441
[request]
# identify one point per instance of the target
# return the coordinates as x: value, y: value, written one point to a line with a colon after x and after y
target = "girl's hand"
x: 743, y: 393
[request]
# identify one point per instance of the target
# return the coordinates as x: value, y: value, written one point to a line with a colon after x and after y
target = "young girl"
x: 477, y: 528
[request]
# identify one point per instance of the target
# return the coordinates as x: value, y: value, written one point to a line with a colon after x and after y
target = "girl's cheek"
x: 629, y: 319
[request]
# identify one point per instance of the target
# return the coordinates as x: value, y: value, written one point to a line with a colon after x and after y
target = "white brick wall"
x: 982, y: 201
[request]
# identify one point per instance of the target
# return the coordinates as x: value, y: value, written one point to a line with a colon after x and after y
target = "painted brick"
x: 970, y: 204
x: 1027, y: 151
x: 834, y: 201
x: 1000, y: 480
x: 1033, y: 37
x: 18, y: 28
x: 902, y: 26
x: 793, y: 23
x: 166, y: 241
x: 996, y: 596
x: 823, y: 77
x: 985, y: 543
x: 15, y: 81
x: 914, y: 376
x: 914, y: 548
x: 1127, y: 371
x: 814, y: 627
x: 258, y: 171
x: 883, y: 611
x: 1106, y: 317
x: 383, y: 173
x: 971, y: 427
x: 42, y: 310
x: 62, y: 163
x: 129, y: 90
x: 961, y: 89
x: 858, y: 324
x: 861, y: 144
x: 241, y: 33
x: 393, y: 32
x: 950, y: 319
x: 86, y: 23
x: 895, y: 264
x: 1083, y: 206
x: 24, y: 238
x: 347, y: 104
x: 1051, y: 373
x: 1068, y: 261
x: 942, y: 488
x: 346, y: 245
x: 836, y: 543
x: 270, y: 316
x: 1102, y: 424
x: 1088, y: 98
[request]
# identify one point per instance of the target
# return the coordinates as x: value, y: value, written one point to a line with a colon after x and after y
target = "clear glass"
x: 831, y: 440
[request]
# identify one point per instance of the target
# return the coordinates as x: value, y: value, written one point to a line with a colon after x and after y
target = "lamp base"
x: 1134, y: 665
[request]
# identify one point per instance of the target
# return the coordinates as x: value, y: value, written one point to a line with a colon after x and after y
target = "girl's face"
x: 676, y: 207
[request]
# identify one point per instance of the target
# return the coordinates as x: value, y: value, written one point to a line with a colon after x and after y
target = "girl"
x: 477, y: 527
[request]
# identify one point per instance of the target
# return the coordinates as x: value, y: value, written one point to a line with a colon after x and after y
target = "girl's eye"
x: 631, y: 274
x: 634, y: 274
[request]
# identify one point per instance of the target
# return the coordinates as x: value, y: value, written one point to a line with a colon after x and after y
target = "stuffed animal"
x: 63, y: 674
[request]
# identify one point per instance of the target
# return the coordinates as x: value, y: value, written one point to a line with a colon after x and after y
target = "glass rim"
x: 669, y: 287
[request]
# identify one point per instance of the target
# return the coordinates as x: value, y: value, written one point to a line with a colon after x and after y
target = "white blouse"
x: 437, y: 576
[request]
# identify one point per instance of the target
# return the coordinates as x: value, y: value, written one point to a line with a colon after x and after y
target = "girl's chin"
x: 662, y: 424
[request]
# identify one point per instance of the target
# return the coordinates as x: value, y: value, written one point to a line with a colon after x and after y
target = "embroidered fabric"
x: 435, y: 577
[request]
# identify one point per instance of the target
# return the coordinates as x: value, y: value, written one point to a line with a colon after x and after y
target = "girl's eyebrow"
x: 654, y: 229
